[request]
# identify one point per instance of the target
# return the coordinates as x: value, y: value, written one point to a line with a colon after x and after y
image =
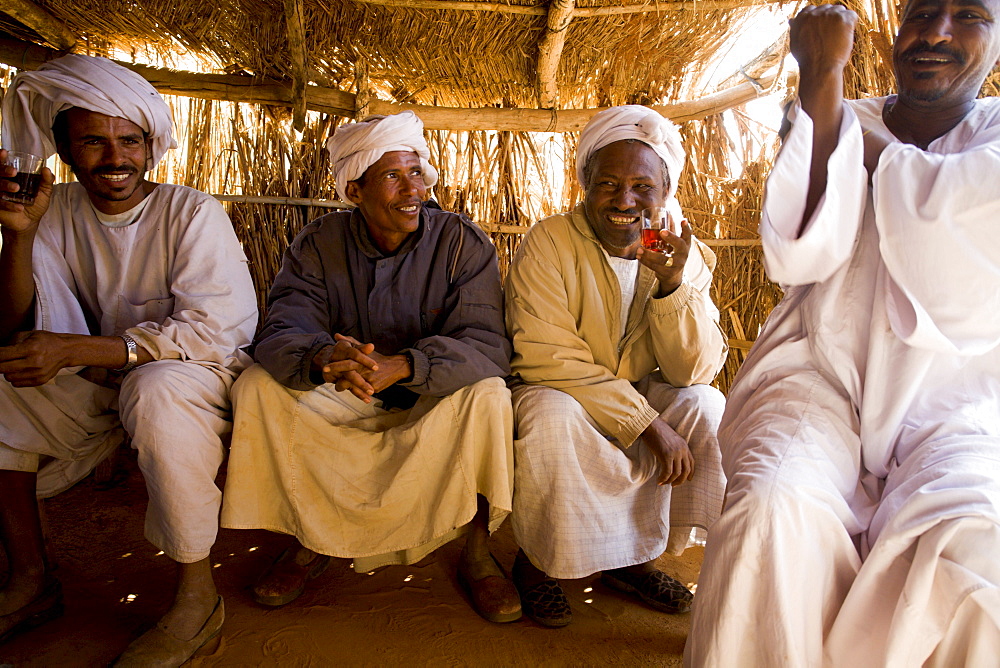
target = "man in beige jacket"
x: 614, y: 345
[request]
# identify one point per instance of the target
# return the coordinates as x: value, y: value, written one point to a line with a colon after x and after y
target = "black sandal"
x: 655, y: 588
x: 545, y: 602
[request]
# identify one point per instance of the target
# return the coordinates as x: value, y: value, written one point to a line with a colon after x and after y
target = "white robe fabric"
x: 350, y: 479
x: 586, y: 504
x: 860, y: 440
x: 176, y: 280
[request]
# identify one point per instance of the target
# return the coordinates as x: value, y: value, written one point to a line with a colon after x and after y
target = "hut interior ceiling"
x: 417, y: 52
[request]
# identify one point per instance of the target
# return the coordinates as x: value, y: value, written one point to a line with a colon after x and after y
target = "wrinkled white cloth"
x: 98, y: 84
x: 861, y: 435
x: 633, y: 121
x: 584, y: 503
x: 355, y: 147
x: 177, y: 281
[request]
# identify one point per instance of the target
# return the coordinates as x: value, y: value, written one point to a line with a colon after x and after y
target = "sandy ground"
x: 116, y: 586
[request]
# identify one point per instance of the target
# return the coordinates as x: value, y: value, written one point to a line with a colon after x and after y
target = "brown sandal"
x: 287, y: 578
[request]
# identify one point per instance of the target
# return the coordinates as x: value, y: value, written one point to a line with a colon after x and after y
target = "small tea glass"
x: 28, y: 177
x: 653, y: 221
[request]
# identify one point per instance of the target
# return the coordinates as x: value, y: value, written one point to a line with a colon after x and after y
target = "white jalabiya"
x: 862, y: 436
x: 585, y: 504
x: 176, y: 280
x: 350, y: 479
x: 98, y: 84
x: 355, y: 147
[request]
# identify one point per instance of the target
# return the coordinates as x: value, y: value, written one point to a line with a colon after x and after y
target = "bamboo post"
x: 297, y: 51
x: 550, y: 48
x: 48, y: 27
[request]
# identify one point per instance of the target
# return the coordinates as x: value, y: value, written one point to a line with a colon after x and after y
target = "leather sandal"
x: 285, y: 580
x: 492, y: 596
x: 46, y: 607
x: 544, y: 601
x: 158, y: 649
x: 654, y: 588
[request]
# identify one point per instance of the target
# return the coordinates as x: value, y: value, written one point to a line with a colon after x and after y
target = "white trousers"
x: 175, y: 412
x: 583, y: 504
x: 815, y: 562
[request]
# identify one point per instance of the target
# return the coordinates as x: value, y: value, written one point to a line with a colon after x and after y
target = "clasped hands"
x: 355, y: 367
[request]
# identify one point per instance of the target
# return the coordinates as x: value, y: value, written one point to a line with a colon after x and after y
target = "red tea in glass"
x: 651, y: 240
x: 28, y: 178
x: 653, y: 220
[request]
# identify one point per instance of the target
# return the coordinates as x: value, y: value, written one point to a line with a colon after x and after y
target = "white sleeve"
x: 937, y: 217
x: 828, y: 239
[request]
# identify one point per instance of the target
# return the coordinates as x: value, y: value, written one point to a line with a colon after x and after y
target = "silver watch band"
x: 133, y: 354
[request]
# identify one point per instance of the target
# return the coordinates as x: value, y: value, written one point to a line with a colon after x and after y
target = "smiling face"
x: 389, y: 195
x: 108, y: 155
x: 945, y: 49
x: 624, y: 178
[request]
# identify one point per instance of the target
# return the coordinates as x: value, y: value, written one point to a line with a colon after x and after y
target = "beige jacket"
x: 562, y: 309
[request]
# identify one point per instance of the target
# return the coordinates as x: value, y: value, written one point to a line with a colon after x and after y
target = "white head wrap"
x: 356, y: 147
x: 633, y: 121
x: 97, y: 84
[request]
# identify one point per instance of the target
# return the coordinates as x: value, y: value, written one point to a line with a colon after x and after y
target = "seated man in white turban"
x: 617, y: 459
x: 376, y: 425
x: 123, y: 307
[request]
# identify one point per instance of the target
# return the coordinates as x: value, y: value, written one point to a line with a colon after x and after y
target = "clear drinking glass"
x: 29, y: 176
x: 653, y: 221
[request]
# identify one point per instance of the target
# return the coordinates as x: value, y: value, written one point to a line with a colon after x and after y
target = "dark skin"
x: 389, y: 195
x: 625, y: 178
x: 109, y: 155
x: 941, y: 57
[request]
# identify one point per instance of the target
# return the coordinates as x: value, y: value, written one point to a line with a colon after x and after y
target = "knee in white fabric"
x: 16, y: 460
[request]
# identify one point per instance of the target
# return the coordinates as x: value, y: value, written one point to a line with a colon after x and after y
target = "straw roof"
x: 454, y: 54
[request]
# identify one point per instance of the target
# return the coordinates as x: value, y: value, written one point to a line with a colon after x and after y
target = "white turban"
x: 356, y: 147
x: 633, y: 121
x: 96, y: 84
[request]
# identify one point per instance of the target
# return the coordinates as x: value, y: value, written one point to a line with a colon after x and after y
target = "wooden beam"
x: 580, y: 12
x: 48, y: 27
x: 764, y: 61
x: 327, y: 100
x: 550, y: 48
x: 297, y: 51
x: 564, y: 120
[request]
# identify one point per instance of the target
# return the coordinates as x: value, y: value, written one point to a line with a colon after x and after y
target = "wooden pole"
x: 297, y: 51
x: 289, y: 201
x: 579, y: 12
x: 327, y: 100
x: 48, y: 27
x: 550, y: 48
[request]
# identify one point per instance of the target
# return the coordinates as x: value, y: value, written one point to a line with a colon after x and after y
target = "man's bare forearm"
x: 17, y: 297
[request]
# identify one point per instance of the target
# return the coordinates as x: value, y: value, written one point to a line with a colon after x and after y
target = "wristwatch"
x: 133, y: 354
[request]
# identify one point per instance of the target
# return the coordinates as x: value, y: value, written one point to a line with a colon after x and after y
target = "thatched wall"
x: 503, y: 180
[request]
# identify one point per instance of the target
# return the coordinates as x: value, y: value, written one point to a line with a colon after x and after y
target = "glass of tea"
x: 28, y: 177
x: 653, y: 221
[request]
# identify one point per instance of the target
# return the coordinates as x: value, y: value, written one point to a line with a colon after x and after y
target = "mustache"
x: 120, y: 169
x: 937, y: 50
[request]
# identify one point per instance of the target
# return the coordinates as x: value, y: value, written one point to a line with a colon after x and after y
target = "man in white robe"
x: 862, y: 435
x: 123, y: 309
x: 616, y: 452
x: 377, y: 425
